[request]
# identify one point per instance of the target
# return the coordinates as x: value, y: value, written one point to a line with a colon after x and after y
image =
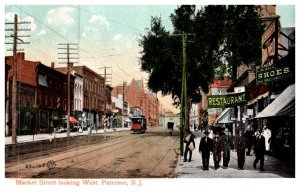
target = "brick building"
x: 138, y: 99
x: 41, y: 95
x: 94, y: 97
x: 52, y: 96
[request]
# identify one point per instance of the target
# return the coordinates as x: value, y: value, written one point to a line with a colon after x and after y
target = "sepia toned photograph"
x: 117, y: 95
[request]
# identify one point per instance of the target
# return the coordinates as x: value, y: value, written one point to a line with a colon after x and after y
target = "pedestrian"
x: 249, y: 139
x: 217, y: 150
x: 241, y: 148
x: 51, y: 128
x: 189, y: 145
x: 260, y: 147
x: 227, y: 145
x: 205, y: 147
x: 267, y: 135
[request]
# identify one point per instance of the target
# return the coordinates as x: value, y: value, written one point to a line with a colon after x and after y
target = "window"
x: 42, y: 80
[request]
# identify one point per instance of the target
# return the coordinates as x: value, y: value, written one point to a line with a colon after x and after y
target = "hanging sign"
x: 271, y: 74
x: 229, y: 100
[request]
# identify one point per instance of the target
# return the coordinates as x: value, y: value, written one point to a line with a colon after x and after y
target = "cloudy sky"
x: 107, y: 35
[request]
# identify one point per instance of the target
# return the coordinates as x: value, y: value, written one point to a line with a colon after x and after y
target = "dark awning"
x: 284, y: 104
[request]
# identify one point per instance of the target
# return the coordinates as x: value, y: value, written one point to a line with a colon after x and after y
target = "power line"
x: 92, y: 56
x: 112, y: 20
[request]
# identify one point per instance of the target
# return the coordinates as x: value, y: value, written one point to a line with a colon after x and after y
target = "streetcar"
x: 138, y: 124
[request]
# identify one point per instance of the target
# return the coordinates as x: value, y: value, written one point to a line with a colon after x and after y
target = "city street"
x: 104, y: 155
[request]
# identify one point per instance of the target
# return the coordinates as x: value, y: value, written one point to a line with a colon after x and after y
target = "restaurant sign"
x: 229, y: 100
x: 271, y: 74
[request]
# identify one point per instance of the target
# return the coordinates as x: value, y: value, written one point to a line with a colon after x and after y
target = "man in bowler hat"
x: 205, y: 147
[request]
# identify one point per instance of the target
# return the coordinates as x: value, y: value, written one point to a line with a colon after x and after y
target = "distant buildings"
x: 42, y: 97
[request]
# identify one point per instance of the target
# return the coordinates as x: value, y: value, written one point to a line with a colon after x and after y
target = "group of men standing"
x: 226, y: 142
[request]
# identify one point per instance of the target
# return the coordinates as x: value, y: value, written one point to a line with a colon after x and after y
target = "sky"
x: 106, y: 35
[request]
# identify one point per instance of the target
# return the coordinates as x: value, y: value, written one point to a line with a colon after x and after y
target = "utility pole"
x: 183, y: 91
x: 15, y: 37
x: 69, y: 64
x: 105, y: 81
x: 184, y: 107
x: 123, y: 114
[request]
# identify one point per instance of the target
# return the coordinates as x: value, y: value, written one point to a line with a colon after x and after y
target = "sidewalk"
x: 274, y: 168
x: 46, y: 136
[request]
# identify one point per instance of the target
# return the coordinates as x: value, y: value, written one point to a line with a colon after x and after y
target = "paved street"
x: 110, y: 155
x: 274, y: 168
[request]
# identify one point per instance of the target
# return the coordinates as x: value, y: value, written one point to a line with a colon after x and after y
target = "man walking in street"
x: 227, y: 145
x: 241, y: 148
x: 260, y: 148
x: 205, y: 147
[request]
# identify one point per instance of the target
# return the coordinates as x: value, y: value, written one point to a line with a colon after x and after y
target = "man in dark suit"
x: 241, y: 148
x: 205, y: 147
x: 259, y: 148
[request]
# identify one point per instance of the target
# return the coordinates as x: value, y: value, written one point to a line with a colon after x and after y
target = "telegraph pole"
x: 183, y: 91
x: 105, y: 81
x: 68, y: 58
x: 14, y: 84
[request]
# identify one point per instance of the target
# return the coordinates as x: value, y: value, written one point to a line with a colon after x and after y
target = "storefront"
x: 279, y: 116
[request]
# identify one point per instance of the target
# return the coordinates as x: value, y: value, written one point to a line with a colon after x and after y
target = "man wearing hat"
x: 259, y: 149
x: 227, y: 145
x: 241, y: 148
x: 205, y: 147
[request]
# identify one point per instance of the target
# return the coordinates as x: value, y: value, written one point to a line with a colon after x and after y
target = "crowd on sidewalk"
x: 221, y: 143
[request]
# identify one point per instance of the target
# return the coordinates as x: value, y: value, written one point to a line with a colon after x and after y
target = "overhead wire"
x: 92, y: 56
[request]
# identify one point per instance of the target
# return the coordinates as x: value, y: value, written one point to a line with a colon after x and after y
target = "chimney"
x: 71, y: 65
x: 52, y: 64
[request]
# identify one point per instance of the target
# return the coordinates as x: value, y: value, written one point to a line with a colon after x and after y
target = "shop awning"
x: 250, y: 102
x: 225, y: 116
x: 284, y: 104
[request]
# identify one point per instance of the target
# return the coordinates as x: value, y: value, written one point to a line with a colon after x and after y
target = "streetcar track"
x: 162, y: 158
x: 129, y: 155
x: 83, y: 162
x: 69, y: 148
x: 113, y: 164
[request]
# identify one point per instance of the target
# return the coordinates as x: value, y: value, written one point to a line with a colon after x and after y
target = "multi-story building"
x: 77, y: 109
x: 139, y: 100
x: 52, y: 96
x: 94, y: 97
x: 26, y: 89
x: 41, y: 95
x: 270, y: 87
